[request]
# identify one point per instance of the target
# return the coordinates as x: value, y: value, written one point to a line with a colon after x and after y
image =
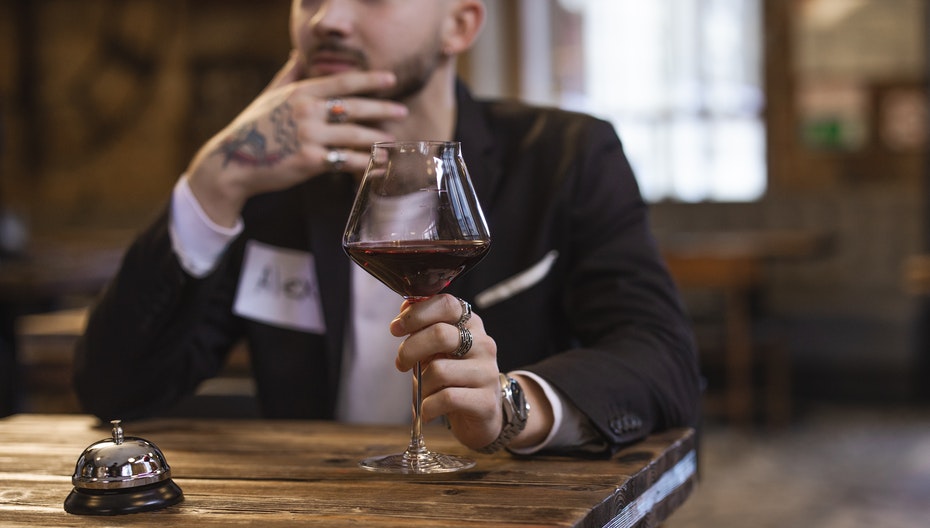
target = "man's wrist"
x: 217, y: 194
x: 570, y: 430
x: 195, y: 238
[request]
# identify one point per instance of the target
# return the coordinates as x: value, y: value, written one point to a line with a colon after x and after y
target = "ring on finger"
x: 335, y: 159
x: 465, y: 342
x: 336, y: 110
x: 466, y: 313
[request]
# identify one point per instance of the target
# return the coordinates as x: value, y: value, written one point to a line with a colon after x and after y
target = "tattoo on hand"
x: 248, y: 146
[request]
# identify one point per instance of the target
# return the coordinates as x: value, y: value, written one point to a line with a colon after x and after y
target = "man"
x: 572, y: 301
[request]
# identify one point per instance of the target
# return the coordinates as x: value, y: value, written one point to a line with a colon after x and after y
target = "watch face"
x: 520, y: 408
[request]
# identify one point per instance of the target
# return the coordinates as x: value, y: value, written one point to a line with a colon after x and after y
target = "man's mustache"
x: 339, y: 50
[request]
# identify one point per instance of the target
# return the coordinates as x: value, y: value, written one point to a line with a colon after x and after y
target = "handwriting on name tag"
x: 279, y: 286
x: 295, y: 286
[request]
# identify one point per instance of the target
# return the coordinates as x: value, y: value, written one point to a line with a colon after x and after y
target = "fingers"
x: 430, y: 327
x: 432, y: 339
x: 340, y: 125
x: 479, y: 406
x: 441, y: 341
x: 469, y: 396
x: 342, y: 84
x: 308, y: 105
x: 350, y: 83
x: 442, y: 374
x: 353, y: 89
x: 364, y: 110
x: 415, y: 316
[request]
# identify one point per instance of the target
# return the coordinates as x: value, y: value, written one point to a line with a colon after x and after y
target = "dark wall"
x: 108, y: 99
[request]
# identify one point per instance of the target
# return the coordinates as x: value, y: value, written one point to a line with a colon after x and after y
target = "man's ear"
x: 463, y: 24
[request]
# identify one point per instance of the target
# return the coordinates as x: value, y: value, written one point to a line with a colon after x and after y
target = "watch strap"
x: 514, y: 418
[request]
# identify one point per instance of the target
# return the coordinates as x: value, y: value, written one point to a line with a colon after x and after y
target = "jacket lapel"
x: 480, y: 151
x: 328, y: 200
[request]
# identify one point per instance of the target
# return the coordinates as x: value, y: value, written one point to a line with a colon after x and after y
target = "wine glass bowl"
x: 416, y: 225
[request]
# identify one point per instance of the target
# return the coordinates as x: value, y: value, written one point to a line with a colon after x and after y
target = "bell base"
x: 119, y: 502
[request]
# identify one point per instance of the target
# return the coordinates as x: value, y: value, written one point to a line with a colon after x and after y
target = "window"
x: 681, y: 80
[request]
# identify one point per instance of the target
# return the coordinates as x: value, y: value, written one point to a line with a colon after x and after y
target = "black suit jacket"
x: 603, y: 323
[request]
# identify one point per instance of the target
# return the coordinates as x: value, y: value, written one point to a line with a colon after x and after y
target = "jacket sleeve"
x: 154, y: 333
x: 635, y: 368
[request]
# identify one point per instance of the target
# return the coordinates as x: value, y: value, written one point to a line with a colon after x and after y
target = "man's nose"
x: 335, y: 17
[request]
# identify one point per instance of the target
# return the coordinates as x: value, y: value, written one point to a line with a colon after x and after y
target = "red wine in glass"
x: 417, y: 269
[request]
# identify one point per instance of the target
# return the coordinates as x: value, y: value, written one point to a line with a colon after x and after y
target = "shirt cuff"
x: 197, y: 241
x: 571, y: 429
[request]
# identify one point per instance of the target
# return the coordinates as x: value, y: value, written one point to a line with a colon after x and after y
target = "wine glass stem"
x: 417, y: 445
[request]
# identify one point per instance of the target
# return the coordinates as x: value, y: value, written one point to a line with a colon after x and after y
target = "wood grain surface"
x: 302, y: 473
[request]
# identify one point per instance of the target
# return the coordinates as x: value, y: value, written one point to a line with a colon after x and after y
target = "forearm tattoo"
x: 250, y: 147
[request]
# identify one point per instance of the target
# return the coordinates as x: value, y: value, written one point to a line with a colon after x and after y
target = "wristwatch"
x: 516, y: 410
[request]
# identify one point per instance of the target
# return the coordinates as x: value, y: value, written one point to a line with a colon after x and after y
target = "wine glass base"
x: 416, y: 464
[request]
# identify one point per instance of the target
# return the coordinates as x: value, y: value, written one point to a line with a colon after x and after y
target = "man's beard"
x: 412, y: 75
x: 412, y: 72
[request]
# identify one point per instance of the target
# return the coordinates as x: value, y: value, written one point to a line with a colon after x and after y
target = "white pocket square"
x: 518, y: 283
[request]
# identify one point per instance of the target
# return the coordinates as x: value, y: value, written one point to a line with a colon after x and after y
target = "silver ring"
x: 465, y: 341
x: 335, y: 160
x: 336, y: 110
x: 466, y: 312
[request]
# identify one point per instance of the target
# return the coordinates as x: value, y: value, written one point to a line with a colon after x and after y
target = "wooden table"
x: 303, y: 473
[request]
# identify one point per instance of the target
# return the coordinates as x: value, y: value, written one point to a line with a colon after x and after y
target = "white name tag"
x: 279, y: 286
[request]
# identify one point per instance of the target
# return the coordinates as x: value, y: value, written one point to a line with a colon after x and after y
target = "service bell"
x: 122, y: 474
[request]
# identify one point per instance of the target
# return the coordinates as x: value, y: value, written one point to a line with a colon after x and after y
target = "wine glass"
x: 416, y: 225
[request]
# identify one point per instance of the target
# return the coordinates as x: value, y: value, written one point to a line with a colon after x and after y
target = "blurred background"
x: 782, y: 145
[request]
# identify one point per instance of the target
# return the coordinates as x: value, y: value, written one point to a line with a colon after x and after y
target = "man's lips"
x: 329, y: 63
